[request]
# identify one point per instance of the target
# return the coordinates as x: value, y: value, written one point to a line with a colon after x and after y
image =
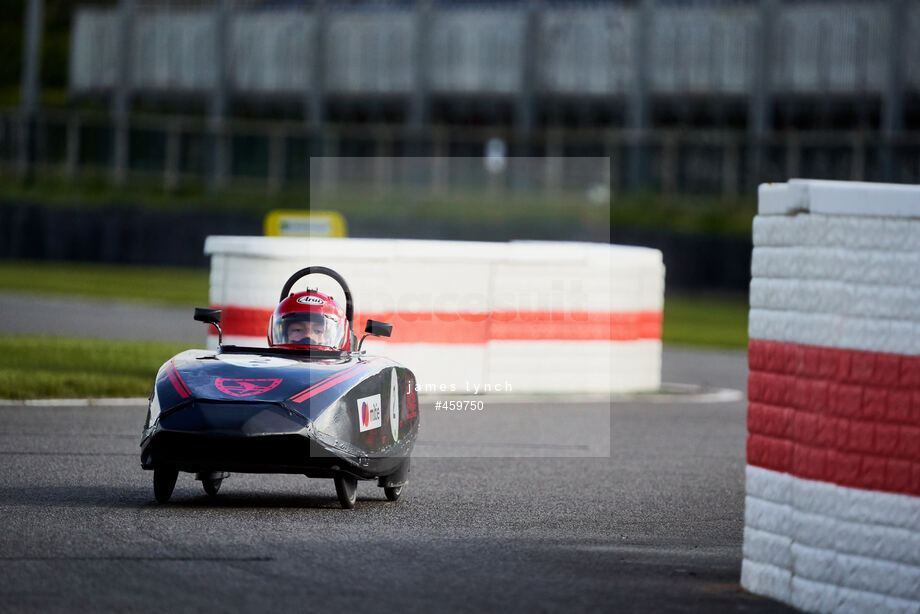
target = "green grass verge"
x: 166, y: 285
x: 706, y: 321
x: 53, y: 367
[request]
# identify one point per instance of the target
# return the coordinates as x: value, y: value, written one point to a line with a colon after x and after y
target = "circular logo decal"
x: 394, y: 406
x: 311, y: 300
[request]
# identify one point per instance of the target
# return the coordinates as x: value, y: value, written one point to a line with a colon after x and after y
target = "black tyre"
x: 211, y: 486
x: 392, y: 492
x: 346, y: 487
x: 164, y: 481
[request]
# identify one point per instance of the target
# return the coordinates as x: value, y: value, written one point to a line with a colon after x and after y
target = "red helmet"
x: 309, y: 319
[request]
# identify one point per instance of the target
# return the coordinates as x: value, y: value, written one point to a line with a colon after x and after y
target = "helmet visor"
x: 310, y: 328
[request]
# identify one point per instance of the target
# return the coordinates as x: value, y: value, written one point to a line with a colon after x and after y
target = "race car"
x: 311, y: 403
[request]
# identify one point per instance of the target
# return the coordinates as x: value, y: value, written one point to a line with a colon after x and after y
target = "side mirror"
x: 377, y: 329
x: 208, y: 316
x: 212, y: 317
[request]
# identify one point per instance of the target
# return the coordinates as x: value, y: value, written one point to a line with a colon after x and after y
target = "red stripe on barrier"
x: 451, y: 327
x: 244, y: 321
x: 847, y: 417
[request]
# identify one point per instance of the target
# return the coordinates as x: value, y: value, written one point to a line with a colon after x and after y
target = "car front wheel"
x: 346, y: 487
x: 164, y: 481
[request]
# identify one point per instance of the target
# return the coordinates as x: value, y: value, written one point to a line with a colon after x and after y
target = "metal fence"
x: 275, y: 155
x: 529, y: 58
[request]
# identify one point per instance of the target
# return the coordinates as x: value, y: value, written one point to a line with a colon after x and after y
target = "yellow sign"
x: 298, y: 223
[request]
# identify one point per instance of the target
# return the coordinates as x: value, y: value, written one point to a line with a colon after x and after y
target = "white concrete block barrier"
x: 469, y: 316
x: 832, y: 512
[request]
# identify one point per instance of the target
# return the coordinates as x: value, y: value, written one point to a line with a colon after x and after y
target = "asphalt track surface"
x: 26, y: 314
x: 527, y: 505
x: 511, y: 508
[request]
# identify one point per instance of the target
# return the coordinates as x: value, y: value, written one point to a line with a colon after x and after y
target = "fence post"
x: 328, y: 180
x: 73, y: 147
x: 730, y: 166
x: 611, y: 141
x: 553, y: 164
x: 669, y: 162
x: 316, y: 89
x: 793, y: 154
x: 520, y: 139
x: 277, y: 150
x: 439, y: 171
x: 418, y: 103
x: 858, y: 163
x: 524, y: 112
x: 383, y: 162
x: 637, y: 110
x: 760, y: 102
x: 314, y: 96
x: 892, y: 106
x: 171, y: 166
x: 30, y: 86
x: 121, y: 94
x: 218, y: 111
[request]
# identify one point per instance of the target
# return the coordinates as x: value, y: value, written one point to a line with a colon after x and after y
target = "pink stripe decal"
x: 176, y: 380
x: 327, y: 383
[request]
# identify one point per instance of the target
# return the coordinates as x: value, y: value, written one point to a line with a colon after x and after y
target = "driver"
x: 309, y: 319
x: 307, y: 332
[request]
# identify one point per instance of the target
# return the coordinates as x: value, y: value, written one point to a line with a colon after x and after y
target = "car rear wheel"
x: 164, y: 481
x: 346, y: 487
x: 392, y: 492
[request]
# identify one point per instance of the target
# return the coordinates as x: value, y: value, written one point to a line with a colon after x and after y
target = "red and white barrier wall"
x: 516, y: 317
x: 832, y: 513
